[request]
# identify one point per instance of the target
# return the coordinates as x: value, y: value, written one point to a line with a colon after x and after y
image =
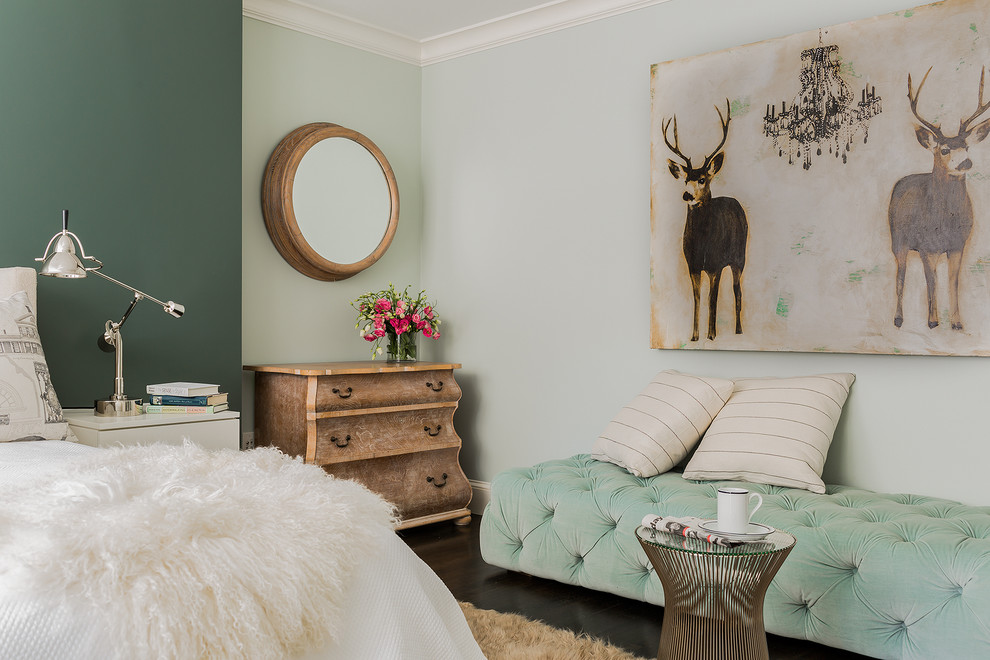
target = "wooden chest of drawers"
x: 388, y: 425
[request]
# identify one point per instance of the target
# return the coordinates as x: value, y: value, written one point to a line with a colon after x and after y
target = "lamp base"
x: 118, y: 408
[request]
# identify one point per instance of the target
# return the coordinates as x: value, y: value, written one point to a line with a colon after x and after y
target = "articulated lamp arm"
x: 171, y: 307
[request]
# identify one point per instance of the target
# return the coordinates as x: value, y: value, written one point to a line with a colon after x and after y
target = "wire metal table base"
x: 714, y: 595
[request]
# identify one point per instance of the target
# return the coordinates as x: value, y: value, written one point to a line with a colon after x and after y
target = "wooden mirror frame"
x: 280, y: 217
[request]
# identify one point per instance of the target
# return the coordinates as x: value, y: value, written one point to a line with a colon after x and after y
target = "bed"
x: 179, y: 552
x: 390, y: 605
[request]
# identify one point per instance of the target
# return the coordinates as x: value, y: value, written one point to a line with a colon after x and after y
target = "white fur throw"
x: 191, y: 554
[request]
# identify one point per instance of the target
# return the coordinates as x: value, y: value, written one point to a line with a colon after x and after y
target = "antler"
x: 981, y: 107
x: 724, y: 121
x: 673, y: 147
x: 914, y: 104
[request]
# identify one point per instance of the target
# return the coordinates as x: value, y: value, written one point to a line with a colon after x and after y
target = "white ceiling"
x: 427, y: 31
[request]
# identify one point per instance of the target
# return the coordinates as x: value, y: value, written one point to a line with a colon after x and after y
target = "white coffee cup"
x: 733, y: 509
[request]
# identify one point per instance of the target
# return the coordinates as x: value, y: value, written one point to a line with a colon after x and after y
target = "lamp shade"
x: 63, y: 262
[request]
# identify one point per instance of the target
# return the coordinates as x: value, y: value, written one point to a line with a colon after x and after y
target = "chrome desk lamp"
x: 61, y: 260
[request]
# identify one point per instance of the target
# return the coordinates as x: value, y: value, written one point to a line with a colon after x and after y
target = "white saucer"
x: 756, y: 531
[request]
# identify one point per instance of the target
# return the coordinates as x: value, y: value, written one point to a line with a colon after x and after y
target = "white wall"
x: 291, y: 79
x: 536, y: 244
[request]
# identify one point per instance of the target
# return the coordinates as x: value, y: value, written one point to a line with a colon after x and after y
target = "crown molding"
x: 534, y: 22
x: 333, y: 27
x: 543, y: 19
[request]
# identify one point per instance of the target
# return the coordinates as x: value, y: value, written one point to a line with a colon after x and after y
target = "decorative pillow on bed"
x: 29, y: 408
x: 663, y: 423
x: 773, y: 431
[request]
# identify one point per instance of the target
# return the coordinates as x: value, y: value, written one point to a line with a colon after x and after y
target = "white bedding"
x: 396, y: 607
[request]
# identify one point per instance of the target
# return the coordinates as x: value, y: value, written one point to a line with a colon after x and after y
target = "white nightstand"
x: 220, y: 430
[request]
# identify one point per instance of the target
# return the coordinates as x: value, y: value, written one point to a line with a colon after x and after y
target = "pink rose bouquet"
x: 397, y: 318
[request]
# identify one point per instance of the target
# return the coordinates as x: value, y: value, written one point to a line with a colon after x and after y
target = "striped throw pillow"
x: 663, y: 423
x: 773, y: 431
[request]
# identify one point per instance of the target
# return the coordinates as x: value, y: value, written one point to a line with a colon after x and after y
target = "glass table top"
x: 774, y: 542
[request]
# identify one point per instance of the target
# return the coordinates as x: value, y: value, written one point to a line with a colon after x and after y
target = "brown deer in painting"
x: 931, y: 213
x: 715, y: 232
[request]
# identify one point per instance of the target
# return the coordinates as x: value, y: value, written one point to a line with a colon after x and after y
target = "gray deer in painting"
x: 715, y: 232
x: 931, y: 213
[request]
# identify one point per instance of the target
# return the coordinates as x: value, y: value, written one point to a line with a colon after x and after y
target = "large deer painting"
x: 715, y: 232
x: 839, y: 233
x: 931, y: 213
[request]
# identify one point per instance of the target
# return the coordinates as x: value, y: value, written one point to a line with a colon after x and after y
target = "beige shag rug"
x: 514, y: 637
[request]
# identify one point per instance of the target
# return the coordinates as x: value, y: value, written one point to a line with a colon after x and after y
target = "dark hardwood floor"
x: 454, y: 553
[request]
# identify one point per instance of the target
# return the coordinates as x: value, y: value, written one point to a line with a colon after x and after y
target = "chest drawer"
x: 387, y: 425
x: 418, y: 485
x: 381, y: 390
x: 355, y: 437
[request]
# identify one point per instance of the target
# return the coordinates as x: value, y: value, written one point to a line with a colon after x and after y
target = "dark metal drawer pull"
x: 337, y: 441
x: 345, y: 395
x: 435, y: 388
x: 437, y: 482
x: 431, y: 432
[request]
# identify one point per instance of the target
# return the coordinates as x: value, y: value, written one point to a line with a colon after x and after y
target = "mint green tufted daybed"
x: 889, y: 576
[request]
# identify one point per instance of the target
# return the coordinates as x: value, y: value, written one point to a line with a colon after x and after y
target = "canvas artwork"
x: 827, y: 191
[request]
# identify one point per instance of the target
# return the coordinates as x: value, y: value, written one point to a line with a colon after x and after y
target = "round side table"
x: 713, y: 594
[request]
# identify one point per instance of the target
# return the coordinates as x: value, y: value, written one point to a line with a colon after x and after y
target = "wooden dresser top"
x: 340, y: 368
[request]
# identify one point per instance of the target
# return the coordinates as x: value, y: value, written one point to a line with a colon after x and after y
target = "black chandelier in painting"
x: 825, y: 114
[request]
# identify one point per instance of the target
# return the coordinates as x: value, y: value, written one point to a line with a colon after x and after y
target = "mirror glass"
x: 341, y: 200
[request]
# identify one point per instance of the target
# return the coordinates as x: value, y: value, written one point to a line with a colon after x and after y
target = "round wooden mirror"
x: 330, y: 201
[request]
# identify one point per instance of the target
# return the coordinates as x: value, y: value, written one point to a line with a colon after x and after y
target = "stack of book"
x: 185, y: 398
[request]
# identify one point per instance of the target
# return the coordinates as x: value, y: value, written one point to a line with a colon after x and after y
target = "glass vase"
x: 402, y: 348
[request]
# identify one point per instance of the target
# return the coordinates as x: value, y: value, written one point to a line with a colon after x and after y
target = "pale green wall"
x: 291, y: 79
x: 528, y: 219
x: 536, y: 162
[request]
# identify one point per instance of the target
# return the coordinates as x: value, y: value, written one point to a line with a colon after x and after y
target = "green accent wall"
x: 127, y: 113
